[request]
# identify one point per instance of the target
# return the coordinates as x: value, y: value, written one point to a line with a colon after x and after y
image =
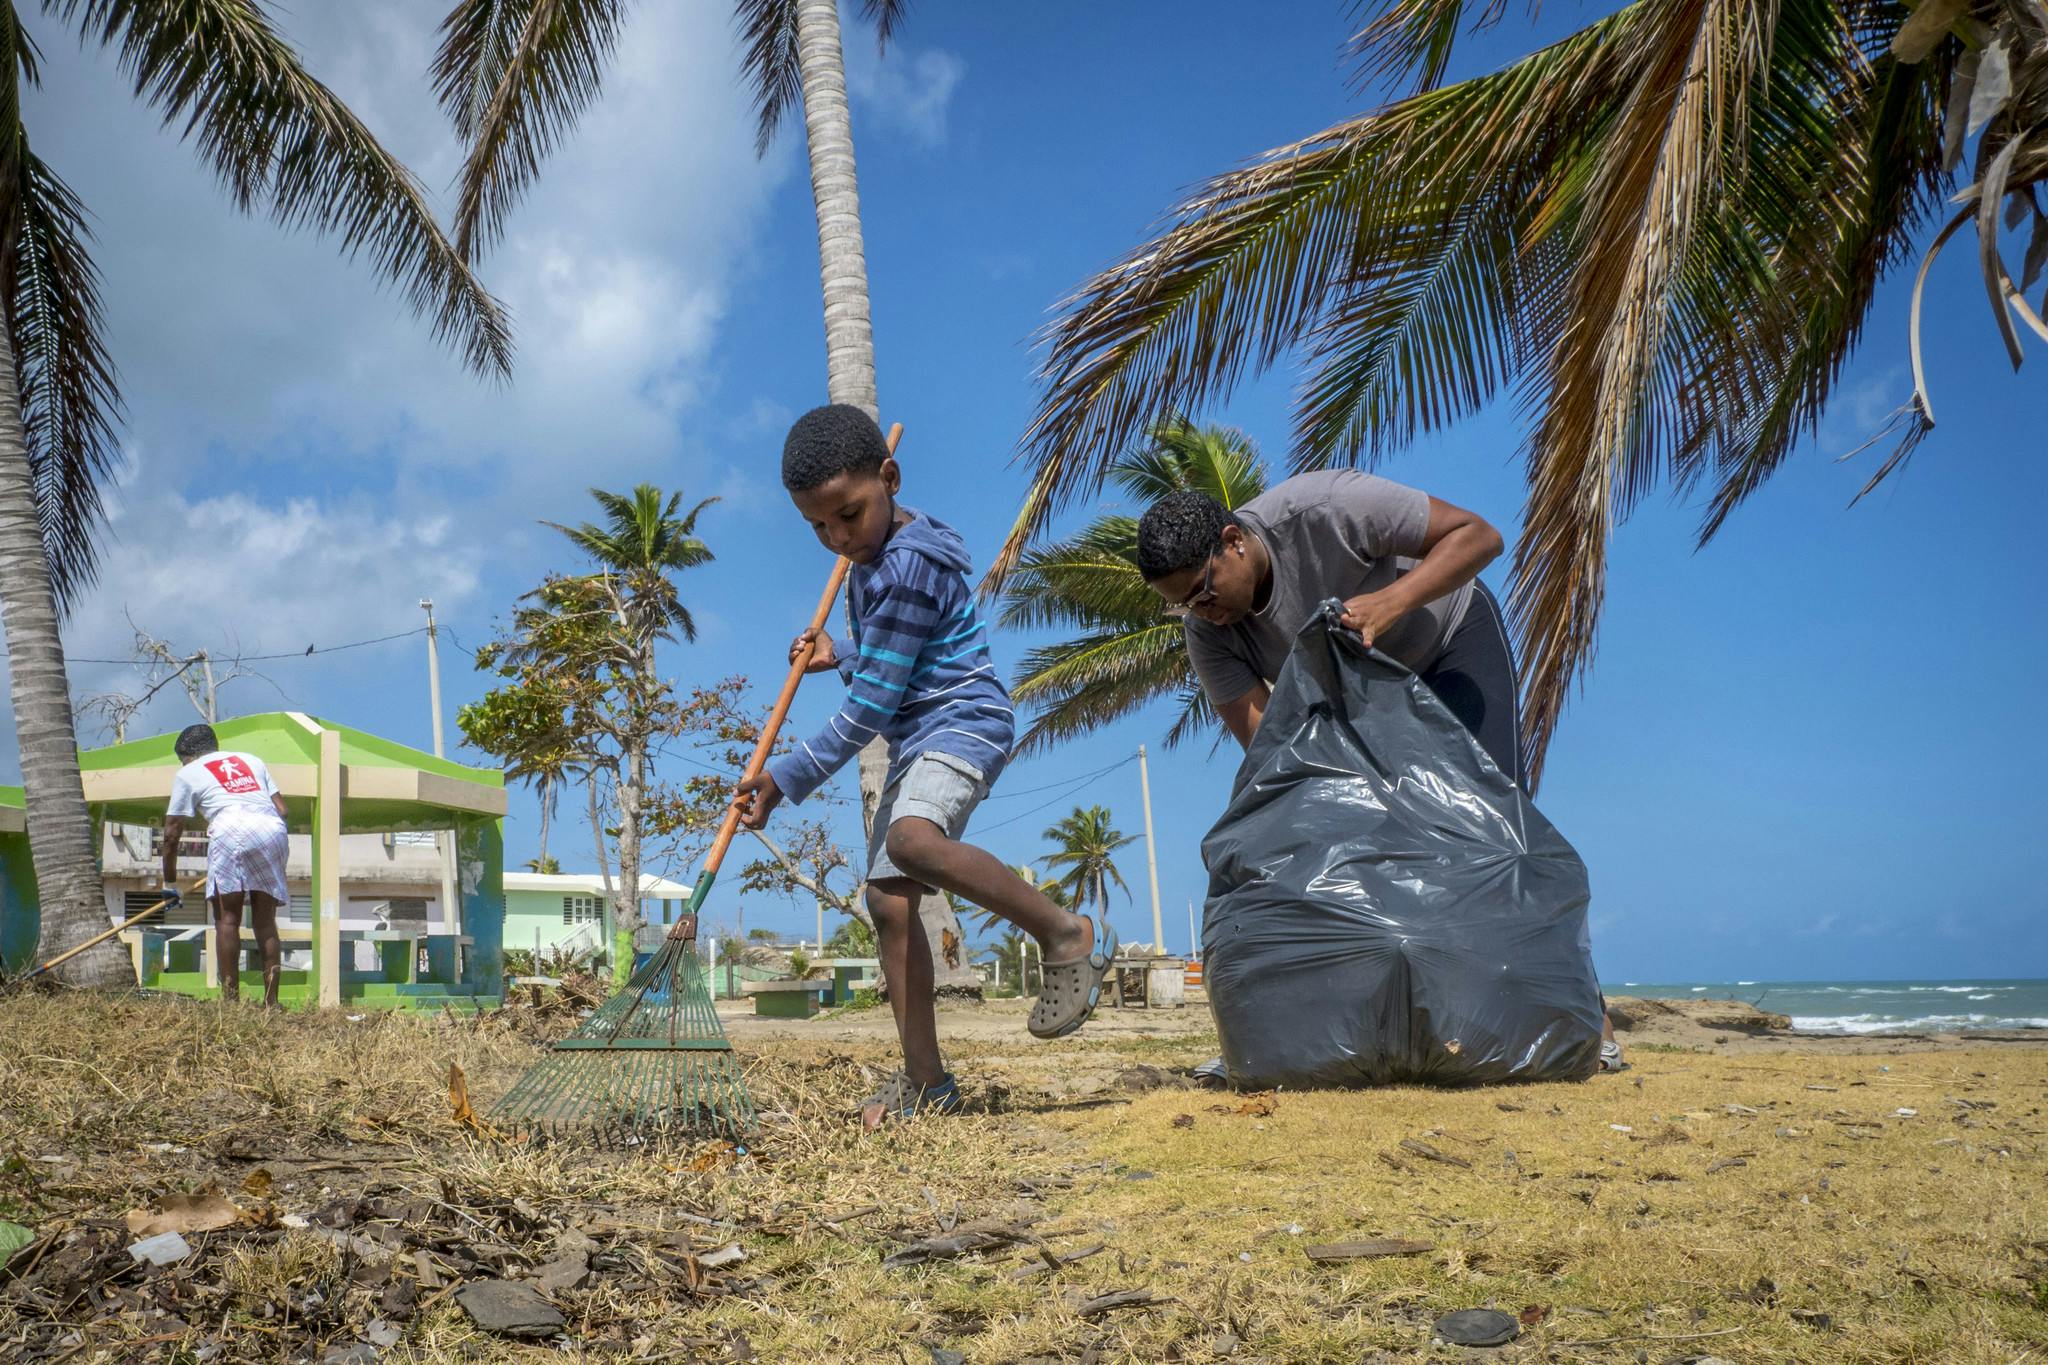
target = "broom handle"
x: 730, y: 825
x: 97, y: 939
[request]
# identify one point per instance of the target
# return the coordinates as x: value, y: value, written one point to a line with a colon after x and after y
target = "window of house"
x: 581, y: 910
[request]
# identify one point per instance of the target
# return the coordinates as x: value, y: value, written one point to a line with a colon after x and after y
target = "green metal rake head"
x: 651, y: 1066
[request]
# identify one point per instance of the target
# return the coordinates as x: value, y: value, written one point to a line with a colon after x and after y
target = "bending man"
x: 1406, y: 566
x: 246, y: 849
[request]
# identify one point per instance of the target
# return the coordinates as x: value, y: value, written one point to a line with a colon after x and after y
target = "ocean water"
x: 1951, y: 1006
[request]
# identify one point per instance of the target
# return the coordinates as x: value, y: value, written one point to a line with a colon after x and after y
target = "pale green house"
x: 546, y: 913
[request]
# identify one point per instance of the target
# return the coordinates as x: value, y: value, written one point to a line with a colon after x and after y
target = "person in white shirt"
x: 246, y: 849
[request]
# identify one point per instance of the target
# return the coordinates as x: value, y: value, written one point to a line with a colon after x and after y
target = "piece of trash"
x: 509, y: 1308
x: 382, y: 1333
x: 1477, y: 1327
x: 1621, y: 1128
x: 202, y: 1212
x: 724, y: 1256
x: 1905, y: 1113
x: 162, y: 1148
x: 165, y: 1248
x: 294, y: 1220
x: 357, y: 1018
x: 362, y: 1353
x: 1791, y: 1132
x: 1294, y: 1229
x: 1369, y: 1249
x: 1244, y: 1255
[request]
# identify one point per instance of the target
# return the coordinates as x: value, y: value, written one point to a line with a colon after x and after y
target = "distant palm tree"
x: 1085, y: 857
x: 544, y: 865
x: 1125, y: 652
x: 1663, y: 233
x: 639, y: 549
x: 281, y: 143
x: 645, y: 543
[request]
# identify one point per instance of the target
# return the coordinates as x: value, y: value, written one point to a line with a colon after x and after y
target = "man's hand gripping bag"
x: 1384, y: 904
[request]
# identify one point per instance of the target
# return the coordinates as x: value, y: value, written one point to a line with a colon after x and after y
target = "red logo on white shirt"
x: 233, y: 775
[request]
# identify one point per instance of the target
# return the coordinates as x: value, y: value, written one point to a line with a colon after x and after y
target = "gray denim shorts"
x: 935, y: 787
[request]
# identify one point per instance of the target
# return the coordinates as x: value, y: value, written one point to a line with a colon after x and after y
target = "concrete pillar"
x: 327, y: 964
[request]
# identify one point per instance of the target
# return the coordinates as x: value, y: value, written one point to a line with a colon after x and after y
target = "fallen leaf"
x: 458, y: 1101
x: 1369, y: 1249
x: 13, y: 1237
x: 1429, y: 1153
x: 203, y: 1212
x: 1532, y: 1314
x: 257, y: 1183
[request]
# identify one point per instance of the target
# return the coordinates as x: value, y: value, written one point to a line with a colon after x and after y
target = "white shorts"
x: 247, y: 853
x: 935, y: 787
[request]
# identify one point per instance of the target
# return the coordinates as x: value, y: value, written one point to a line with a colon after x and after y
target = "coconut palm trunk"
x: 850, y: 354
x: 59, y: 828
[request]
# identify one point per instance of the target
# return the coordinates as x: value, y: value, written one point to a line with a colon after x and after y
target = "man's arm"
x: 1457, y: 545
x: 277, y: 802
x: 1242, y: 716
x: 174, y: 830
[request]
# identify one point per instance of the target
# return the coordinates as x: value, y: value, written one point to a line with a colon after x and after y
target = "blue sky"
x: 1807, y: 751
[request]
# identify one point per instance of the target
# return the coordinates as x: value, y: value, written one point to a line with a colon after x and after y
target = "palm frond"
x: 767, y: 31
x: 545, y: 81
x: 279, y: 139
x: 477, y: 41
x: 1410, y: 39
x: 887, y: 16
x: 70, y: 400
x: 1250, y: 265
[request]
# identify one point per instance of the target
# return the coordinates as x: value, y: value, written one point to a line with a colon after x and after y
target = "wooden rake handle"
x: 97, y: 939
x: 763, y: 746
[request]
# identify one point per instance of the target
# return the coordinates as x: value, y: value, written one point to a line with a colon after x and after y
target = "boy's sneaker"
x: 902, y: 1098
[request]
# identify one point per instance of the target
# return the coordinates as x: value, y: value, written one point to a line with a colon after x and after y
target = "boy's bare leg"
x: 227, y: 937
x: 922, y: 849
x: 907, y: 962
x: 263, y: 913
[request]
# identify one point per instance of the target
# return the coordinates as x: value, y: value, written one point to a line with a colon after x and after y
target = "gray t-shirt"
x: 1334, y: 534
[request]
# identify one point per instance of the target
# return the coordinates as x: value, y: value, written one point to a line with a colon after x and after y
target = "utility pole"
x: 1194, y: 944
x: 212, y: 709
x: 433, y: 673
x: 1151, y: 854
x: 444, y: 840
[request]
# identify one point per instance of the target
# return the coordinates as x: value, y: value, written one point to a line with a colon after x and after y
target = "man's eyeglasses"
x: 1201, y: 597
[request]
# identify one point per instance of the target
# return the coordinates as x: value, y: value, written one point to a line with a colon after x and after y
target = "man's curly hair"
x: 829, y: 441
x: 1180, y: 531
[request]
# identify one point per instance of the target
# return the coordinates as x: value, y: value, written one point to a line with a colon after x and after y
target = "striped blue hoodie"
x: 917, y: 668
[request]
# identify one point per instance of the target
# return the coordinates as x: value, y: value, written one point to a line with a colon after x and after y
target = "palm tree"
x: 1664, y: 232
x: 281, y: 143
x: 1085, y: 856
x: 645, y: 543
x: 544, y: 865
x: 515, y: 77
x: 1125, y: 652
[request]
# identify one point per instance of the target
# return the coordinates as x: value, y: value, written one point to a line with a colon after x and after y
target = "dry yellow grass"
x: 1921, y: 1238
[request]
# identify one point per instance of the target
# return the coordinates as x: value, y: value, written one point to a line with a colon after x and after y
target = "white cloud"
x: 908, y: 92
x: 236, y: 339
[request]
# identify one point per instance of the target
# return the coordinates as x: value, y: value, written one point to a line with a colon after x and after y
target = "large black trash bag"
x: 1384, y: 904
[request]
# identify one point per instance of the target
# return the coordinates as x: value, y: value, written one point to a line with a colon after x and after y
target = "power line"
x: 1073, y: 787
x: 295, y: 654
